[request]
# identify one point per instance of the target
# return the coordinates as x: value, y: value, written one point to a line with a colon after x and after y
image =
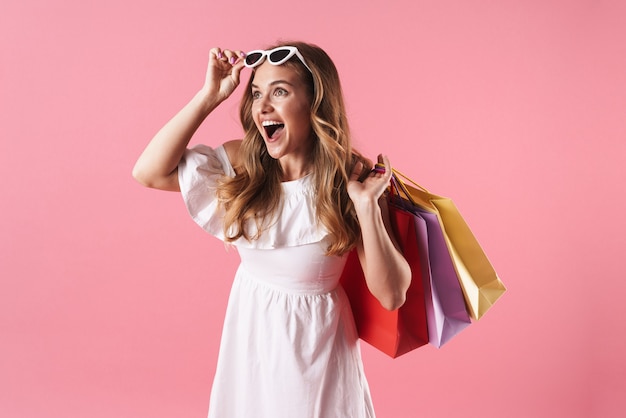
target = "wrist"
x: 207, y: 100
x: 367, y: 207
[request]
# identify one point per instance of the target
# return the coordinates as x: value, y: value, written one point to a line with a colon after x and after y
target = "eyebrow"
x: 274, y: 83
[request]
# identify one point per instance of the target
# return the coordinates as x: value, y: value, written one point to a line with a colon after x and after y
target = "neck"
x: 296, y: 165
x: 290, y: 175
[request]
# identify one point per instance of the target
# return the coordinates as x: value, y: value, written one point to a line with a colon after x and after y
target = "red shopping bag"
x: 392, y: 332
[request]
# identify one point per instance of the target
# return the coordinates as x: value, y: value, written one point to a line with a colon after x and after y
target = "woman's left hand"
x: 370, y: 189
x: 387, y: 273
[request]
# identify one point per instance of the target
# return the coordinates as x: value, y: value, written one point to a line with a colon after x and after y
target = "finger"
x: 388, y: 168
x: 383, y: 168
x: 236, y: 58
x: 216, y: 53
x: 356, y: 171
x: 236, y: 71
x: 228, y: 55
x: 233, y: 56
x: 379, y: 168
x: 240, y: 54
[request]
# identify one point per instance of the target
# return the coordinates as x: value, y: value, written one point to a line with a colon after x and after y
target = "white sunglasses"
x: 276, y: 56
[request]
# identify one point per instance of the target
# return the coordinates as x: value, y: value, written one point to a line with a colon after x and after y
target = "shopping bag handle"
x: 406, y: 178
x: 398, y: 184
x: 399, y: 188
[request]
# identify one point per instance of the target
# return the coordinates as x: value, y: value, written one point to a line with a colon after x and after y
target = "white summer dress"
x: 289, y: 346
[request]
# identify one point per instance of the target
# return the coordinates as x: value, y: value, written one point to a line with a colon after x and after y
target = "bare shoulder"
x: 232, y: 150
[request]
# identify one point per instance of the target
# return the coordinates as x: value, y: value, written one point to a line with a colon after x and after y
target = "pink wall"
x: 111, y: 299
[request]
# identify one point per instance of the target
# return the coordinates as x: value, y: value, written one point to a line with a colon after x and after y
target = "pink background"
x: 112, y: 300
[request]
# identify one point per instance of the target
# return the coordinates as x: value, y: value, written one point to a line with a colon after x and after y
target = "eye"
x: 280, y: 92
x: 256, y: 95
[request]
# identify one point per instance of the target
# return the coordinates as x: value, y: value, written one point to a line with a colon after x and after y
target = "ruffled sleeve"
x: 198, y: 173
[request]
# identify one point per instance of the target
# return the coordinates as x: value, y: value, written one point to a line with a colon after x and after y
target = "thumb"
x: 236, y: 71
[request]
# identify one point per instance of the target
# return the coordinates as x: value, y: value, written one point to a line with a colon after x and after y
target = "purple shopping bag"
x: 446, y: 311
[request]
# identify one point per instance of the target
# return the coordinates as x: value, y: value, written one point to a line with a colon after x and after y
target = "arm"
x: 387, y: 272
x: 157, y: 166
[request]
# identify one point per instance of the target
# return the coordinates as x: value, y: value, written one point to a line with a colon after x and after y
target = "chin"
x: 273, y: 151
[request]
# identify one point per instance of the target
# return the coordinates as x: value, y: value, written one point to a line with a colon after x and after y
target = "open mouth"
x: 272, y: 128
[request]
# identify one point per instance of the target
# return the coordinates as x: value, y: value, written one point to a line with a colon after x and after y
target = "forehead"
x: 266, y: 74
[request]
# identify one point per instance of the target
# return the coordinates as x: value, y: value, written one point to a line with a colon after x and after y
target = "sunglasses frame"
x: 268, y: 53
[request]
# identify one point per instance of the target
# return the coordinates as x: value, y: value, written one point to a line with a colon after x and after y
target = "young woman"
x: 294, y: 198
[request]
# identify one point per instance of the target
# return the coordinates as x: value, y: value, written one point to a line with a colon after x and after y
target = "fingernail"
x: 232, y: 60
x: 219, y: 55
x: 243, y: 54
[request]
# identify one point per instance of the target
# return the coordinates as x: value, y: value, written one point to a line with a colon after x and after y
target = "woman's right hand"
x: 222, y: 76
x: 157, y: 166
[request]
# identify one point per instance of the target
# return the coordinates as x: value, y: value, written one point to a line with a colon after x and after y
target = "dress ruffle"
x: 294, y: 224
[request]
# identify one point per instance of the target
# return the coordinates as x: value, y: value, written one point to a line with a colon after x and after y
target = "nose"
x: 265, y: 105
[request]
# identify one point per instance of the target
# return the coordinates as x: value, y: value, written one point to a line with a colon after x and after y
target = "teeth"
x: 271, y: 127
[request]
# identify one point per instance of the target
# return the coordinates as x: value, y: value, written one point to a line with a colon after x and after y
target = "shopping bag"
x: 479, y: 281
x: 446, y: 313
x: 446, y: 310
x: 393, y: 332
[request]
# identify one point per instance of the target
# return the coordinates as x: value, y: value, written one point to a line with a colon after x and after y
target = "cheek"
x: 257, y: 125
x: 254, y: 113
x: 304, y: 119
x: 297, y: 111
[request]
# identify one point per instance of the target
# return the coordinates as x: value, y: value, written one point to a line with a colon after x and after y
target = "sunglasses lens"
x: 252, y: 59
x: 279, y: 55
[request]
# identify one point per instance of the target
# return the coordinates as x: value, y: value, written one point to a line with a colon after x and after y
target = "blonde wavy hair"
x: 254, y: 194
